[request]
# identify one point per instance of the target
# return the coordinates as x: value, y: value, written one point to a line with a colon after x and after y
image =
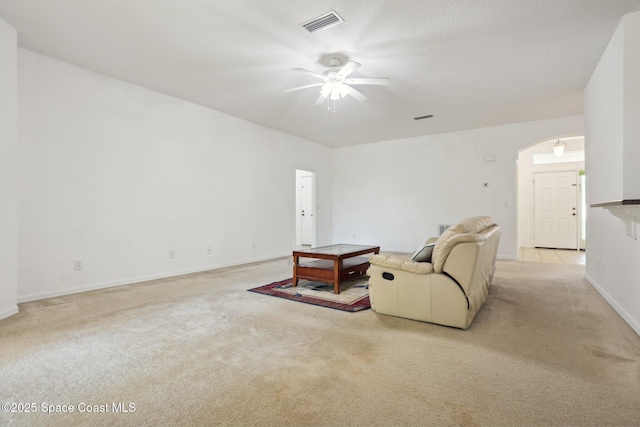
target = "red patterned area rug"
x: 353, y: 296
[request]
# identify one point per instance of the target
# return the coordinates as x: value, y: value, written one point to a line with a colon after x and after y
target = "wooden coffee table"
x: 334, y: 264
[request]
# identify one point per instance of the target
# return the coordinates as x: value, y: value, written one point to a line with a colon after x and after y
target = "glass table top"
x: 337, y: 250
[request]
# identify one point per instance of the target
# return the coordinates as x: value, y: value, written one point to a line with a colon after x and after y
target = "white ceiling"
x: 470, y: 63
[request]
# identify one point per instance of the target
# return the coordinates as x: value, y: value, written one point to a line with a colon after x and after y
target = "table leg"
x: 336, y: 276
x: 294, y: 281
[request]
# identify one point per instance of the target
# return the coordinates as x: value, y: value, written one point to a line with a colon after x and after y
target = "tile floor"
x: 557, y: 256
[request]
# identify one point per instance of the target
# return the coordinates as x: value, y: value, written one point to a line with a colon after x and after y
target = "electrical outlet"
x: 208, y: 250
x: 253, y: 245
x: 172, y: 254
x: 78, y: 264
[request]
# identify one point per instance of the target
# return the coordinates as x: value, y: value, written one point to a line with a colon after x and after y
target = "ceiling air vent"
x: 323, y: 22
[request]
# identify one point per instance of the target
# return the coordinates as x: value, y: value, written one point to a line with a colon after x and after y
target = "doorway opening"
x: 305, y: 209
x: 551, y: 205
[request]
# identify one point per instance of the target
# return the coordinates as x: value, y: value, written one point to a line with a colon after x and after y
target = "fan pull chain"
x: 329, y: 105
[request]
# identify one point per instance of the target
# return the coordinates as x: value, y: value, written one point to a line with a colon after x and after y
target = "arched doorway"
x: 551, y: 212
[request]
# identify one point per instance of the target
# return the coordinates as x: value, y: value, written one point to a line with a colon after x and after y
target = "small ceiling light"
x: 558, y: 148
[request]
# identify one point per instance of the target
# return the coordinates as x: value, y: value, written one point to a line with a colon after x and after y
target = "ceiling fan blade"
x: 354, y: 93
x: 349, y: 68
x: 320, y: 99
x: 311, y: 73
x: 303, y: 87
x: 368, y: 81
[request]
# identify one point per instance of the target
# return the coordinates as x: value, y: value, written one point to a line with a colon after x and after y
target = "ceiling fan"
x: 336, y: 84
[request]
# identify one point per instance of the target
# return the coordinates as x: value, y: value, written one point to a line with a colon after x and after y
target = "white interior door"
x: 307, y: 214
x: 555, y: 210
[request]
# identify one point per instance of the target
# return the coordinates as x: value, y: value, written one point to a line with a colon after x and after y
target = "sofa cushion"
x: 445, y: 249
x: 438, y: 247
x: 468, y: 226
x: 401, y: 264
x: 473, y: 225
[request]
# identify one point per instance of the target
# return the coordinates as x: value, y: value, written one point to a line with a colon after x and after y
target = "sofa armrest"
x: 431, y: 240
x: 401, y: 264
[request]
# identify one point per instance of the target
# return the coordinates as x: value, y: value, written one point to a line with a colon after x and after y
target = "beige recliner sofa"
x: 451, y: 288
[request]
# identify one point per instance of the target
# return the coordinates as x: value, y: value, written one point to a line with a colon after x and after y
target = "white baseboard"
x: 129, y: 281
x: 635, y: 325
x: 8, y: 312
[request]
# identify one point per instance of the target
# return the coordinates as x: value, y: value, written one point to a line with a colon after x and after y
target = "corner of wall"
x: 8, y: 170
x: 8, y: 312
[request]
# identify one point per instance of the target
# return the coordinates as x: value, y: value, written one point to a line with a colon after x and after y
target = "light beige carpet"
x: 200, y: 350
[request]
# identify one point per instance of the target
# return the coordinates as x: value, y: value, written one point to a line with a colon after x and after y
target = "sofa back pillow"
x: 423, y: 253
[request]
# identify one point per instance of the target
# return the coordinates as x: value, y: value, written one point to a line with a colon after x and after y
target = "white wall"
x: 8, y: 180
x: 119, y: 176
x: 526, y: 169
x: 631, y: 108
x: 603, y: 116
x: 612, y: 146
x: 394, y: 193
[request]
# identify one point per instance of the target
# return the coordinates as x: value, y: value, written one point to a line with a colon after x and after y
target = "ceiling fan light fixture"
x: 336, y: 84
